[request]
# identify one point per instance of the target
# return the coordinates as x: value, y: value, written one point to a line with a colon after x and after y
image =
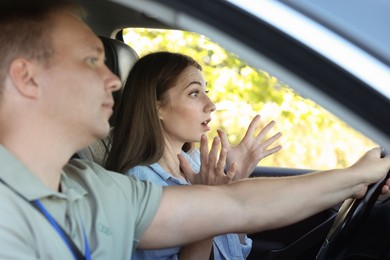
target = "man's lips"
x: 109, y: 106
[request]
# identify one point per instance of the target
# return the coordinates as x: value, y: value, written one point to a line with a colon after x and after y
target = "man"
x: 56, y: 98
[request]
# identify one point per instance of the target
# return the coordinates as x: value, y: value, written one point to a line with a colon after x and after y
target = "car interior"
x: 302, y: 240
x: 285, y: 243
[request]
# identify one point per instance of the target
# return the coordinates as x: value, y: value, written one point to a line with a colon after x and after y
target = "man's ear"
x: 22, y: 74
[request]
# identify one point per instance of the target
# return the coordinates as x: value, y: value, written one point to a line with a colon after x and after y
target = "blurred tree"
x: 312, y: 137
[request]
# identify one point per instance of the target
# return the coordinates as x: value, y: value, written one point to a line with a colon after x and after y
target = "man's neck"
x: 45, y: 161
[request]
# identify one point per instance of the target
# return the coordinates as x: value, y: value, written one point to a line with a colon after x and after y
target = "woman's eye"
x: 194, y: 93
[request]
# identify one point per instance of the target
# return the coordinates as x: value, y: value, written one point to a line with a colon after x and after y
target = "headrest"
x: 120, y: 58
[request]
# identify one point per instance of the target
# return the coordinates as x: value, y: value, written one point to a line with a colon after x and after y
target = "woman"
x: 166, y: 109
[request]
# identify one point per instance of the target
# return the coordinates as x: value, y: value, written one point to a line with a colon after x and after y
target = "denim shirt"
x: 225, y: 246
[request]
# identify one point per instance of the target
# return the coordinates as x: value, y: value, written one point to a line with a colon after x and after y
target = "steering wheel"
x: 351, y: 213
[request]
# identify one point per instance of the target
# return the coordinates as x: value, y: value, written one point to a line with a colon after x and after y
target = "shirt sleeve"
x: 146, y: 200
x: 142, y: 197
x: 246, y: 248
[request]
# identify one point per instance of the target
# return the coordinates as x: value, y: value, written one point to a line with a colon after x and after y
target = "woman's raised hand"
x: 248, y: 153
x: 212, y: 169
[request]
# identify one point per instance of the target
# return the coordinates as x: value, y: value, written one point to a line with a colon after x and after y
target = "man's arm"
x: 192, y: 213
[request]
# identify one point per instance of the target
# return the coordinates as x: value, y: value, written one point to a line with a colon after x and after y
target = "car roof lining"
x: 351, y: 22
x: 126, y: 17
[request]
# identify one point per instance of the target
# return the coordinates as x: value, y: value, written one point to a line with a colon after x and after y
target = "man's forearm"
x: 245, y: 206
x: 257, y: 204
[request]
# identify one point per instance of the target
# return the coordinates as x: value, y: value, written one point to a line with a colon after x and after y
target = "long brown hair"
x: 137, y: 138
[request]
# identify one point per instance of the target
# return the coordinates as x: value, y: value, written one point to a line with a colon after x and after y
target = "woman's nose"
x: 210, y: 105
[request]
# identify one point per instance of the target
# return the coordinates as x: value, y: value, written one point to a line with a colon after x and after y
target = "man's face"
x: 77, y: 86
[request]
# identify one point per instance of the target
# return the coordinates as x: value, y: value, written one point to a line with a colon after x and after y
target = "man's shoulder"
x: 93, y: 174
x: 83, y: 164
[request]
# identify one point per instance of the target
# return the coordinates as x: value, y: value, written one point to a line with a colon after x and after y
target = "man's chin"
x: 96, y: 137
x: 104, y: 132
x: 101, y: 133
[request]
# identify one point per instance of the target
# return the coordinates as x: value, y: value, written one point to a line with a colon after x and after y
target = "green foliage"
x: 312, y: 137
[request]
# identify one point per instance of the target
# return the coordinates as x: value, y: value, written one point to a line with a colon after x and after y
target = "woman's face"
x: 187, y: 111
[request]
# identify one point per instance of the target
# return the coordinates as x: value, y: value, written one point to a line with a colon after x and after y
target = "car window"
x: 312, y: 138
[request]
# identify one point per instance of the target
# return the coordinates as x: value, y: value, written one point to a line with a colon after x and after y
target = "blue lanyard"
x: 66, y: 238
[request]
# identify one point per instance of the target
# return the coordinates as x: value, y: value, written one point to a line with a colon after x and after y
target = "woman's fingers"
x: 213, y: 163
x: 213, y: 155
x: 273, y: 150
x: 252, y: 126
x: 263, y: 133
x: 224, y: 139
x: 231, y: 172
x: 204, y: 155
x: 187, y: 169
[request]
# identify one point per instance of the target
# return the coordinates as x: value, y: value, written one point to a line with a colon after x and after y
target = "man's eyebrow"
x: 99, y: 49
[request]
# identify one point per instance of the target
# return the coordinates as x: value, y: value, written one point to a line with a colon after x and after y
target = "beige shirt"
x: 114, y: 209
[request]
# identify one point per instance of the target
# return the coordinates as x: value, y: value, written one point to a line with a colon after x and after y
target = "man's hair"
x: 138, y: 133
x: 25, y: 30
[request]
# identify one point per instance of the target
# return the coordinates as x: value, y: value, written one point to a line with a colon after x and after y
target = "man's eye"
x: 92, y: 60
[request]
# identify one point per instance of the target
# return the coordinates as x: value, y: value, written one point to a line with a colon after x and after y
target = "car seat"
x: 120, y: 58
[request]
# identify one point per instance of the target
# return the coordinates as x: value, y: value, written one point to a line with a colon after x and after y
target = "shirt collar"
x: 16, y: 175
x: 167, y: 177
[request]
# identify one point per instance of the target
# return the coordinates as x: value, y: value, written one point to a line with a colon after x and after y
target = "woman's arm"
x: 196, y: 251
